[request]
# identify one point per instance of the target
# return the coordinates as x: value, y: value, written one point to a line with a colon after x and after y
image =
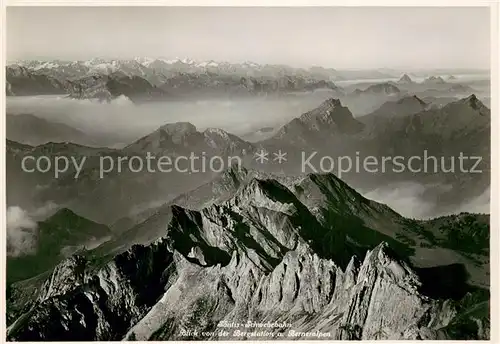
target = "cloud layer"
x: 21, y: 232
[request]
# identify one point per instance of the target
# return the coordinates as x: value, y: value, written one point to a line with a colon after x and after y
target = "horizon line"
x: 9, y: 62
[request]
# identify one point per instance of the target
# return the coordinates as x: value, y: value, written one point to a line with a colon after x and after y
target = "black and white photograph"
x: 247, y: 173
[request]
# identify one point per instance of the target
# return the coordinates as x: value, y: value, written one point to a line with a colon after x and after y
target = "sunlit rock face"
x: 271, y: 253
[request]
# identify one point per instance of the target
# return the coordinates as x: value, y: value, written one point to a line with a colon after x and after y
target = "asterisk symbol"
x: 280, y: 156
x: 262, y: 156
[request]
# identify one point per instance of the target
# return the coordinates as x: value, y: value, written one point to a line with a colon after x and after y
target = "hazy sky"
x: 338, y: 37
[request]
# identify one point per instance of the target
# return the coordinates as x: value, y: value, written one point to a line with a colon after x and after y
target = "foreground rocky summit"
x: 306, y: 258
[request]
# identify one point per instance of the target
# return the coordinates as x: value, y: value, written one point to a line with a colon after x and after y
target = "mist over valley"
x: 325, y: 174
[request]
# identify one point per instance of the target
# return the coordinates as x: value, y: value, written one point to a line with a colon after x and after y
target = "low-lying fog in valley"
x: 120, y: 122
x: 118, y: 119
x: 253, y: 119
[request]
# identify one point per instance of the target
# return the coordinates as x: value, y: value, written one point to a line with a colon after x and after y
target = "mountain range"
x: 313, y: 254
x: 145, y: 79
x: 160, y: 68
x: 154, y: 256
x: 178, y: 86
x: 406, y: 127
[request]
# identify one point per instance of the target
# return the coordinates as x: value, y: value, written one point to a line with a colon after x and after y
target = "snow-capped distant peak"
x: 47, y: 65
x: 188, y: 61
x: 250, y: 64
x: 105, y: 66
x: 210, y: 63
x: 144, y: 60
x: 100, y: 64
x: 94, y: 61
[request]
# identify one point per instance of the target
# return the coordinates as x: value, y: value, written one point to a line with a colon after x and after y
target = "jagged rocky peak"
x: 235, y: 171
x: 326, y: 108
x: 69, y: 274
x: 67, y: 218
x: 385, y: 259
x: 329, y: 107
x: 435, y: 80
x: 419, y: 100
x: 184, y: 135
x: 315, y: 191
x: 71, y: 223
x: 326, y: 192
x: 324, y: 184
x: 332, y: 111
x: 218, y: 137
x: 471, y: 103
x: 261, y: 256
x: 216, y: 132
x: 178, y: 129
x: 384, y: 88
x: 64, y: 214
x: 384, y: 301
x: 166, y: 137
x: 266, y: 193
x: 329, y: 119
x: 412, y: 100
x: 405, y: 79
x: 331, y: 103
x: 233, y: 177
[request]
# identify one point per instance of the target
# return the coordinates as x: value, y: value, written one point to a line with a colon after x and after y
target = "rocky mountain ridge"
x: 158, y: 80
x: 262, y: 255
